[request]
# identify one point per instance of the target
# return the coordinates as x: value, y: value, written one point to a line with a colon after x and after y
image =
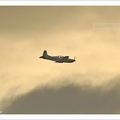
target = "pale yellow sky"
x: 91, y: 34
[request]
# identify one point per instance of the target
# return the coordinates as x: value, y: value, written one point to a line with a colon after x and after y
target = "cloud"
x: 69, y: 99
x: 74, y: 31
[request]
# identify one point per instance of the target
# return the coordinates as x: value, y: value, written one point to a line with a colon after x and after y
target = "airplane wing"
x: 66, y: 57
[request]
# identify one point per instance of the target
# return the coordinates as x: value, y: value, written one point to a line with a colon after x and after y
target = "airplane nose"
x: 73, y: 60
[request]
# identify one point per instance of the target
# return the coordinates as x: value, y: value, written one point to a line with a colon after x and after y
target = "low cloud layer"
x: 69, y: 99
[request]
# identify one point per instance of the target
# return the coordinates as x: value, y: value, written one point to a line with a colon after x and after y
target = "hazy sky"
x: 91, y: 34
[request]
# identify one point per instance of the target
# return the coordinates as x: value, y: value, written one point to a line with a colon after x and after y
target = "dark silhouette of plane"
x: 58, y: 59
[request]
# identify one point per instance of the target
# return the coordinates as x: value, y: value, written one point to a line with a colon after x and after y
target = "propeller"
x: 74, y: 58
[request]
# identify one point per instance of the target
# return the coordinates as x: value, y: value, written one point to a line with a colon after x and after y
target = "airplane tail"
x: 44, y: 53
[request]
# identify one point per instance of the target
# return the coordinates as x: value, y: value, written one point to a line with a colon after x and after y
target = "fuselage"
x: 59, y: 59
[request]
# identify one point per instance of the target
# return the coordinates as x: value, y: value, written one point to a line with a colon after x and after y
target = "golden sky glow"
x: 91, y: 34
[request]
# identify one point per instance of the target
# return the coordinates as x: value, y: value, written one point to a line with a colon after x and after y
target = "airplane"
x: 58, y: 59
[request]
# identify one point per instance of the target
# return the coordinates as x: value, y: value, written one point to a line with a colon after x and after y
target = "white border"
x: 59, y: 3
x: 60, y: 117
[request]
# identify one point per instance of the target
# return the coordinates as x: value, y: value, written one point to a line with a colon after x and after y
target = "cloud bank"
x: 69, y: 99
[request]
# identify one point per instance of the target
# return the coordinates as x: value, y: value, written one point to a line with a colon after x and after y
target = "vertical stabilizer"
x: 44, y: 53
